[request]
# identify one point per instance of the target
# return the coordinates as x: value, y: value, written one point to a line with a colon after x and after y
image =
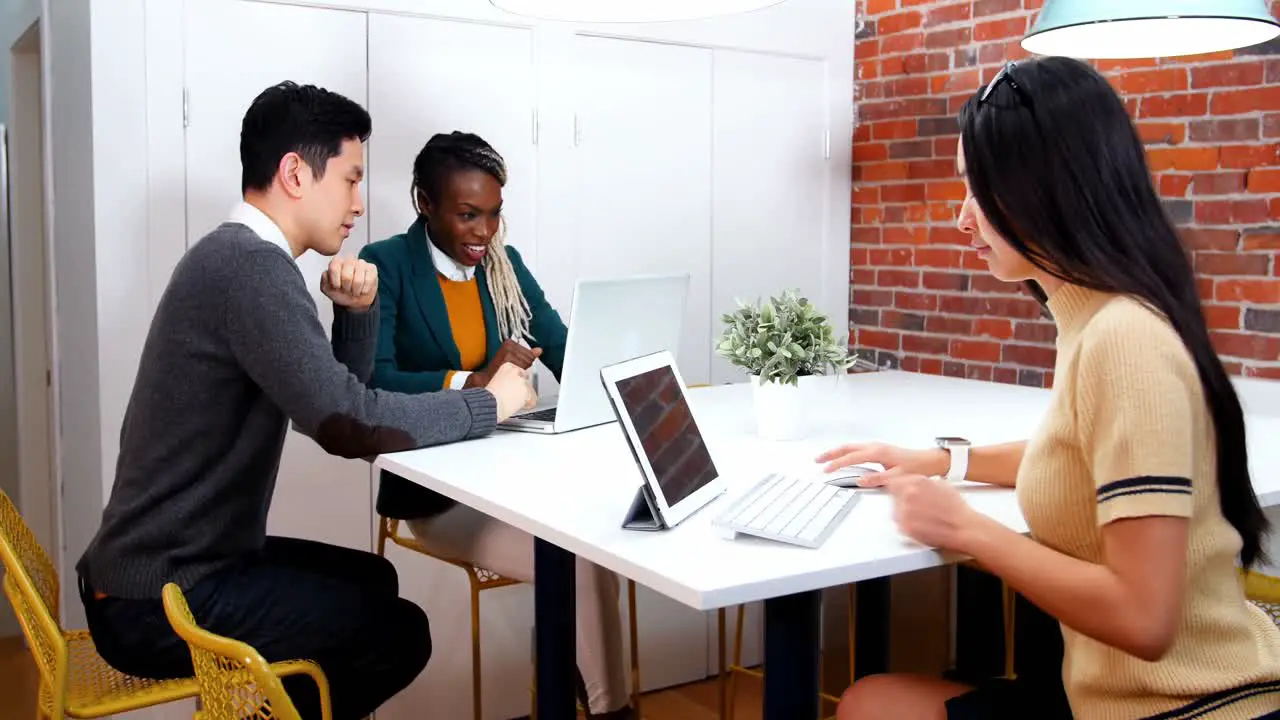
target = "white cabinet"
x: 317, y: 496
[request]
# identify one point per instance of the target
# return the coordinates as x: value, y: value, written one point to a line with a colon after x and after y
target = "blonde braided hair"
x: 447, y: 154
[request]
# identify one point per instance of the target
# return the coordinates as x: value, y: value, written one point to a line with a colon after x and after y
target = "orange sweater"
x: 466, y: 320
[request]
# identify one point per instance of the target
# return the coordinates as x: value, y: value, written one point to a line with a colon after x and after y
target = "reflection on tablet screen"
x: 667, y: 432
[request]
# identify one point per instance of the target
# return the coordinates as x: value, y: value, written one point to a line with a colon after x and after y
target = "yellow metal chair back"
x: 1264, y: 591
x: 74, y: 680
x: 235, y: 681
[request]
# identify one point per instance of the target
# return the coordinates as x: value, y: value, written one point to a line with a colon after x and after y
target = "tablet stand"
x: 643, y: 513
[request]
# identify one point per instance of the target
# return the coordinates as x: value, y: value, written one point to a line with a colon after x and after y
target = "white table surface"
x: 574, y: 489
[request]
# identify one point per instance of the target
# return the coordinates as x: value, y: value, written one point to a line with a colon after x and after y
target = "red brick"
x: 1261, y: 241
x: 1184, y: 105
x: 948, y: 235
x: 866, y: 195
x: 987, y: 283
x: 1232, y: 263
x: 931, y: 169
x: 890, y: 257
x: 1252, y: 291
x: 1183, y: 158
x: 998, y: 328
x: 858, y: 256
x: 1271, y: 125
x: 1264, y: 180
x: 913, y: 3
x: 1197, y: 59
x: 925, y: 344
x: 1000, y: 29
x: 980, y: 350
x: 1006, y: 375
x: 948, y: 14
x: 1210, y: 239
x: 1222, y: 317
x: 937, y: 258
x: 1147, y: 82
x: 1107, y: 66
x: 862, y: 133
x: 862, y: 277
x: 945, y: 281
x: 1269, y: 373
x: 1217, y: 183
x: 874, y: 172
x: 1250, y: 212
x: 916, y: 301
x: 978, y: 372
x: 944, y: 212
x: 951, y: 38
x: 879, y: 7
x: 910, y: 149
x: 1239, y: 102
x: 873, y: 298
x: 1035, y: 332
x: 906, y: 235
x: 908, y: 108
x: 1251, y: 345
x: 870, y: 152
x: 983, y: 8
x: 881, y: 339
x: 924, y: 63
x: 1249, y: 156
x: 1174, y: 185
x: 947, y: 325
x: 1033, y: 4
x: 1162, y: 133
x: 866, y: 234
x: 946, y: 190
x: 901, y: 43
x: 893, y: 129
x: 1224, y: 130
x: 898, y: 22
x: 894, y: 319
x: 1234, y: 74
x: 898, y: 278
x: 905, y: 193
x: 933, y: 366
x: 1029, y: 355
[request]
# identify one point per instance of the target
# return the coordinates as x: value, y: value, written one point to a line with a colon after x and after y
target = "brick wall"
x: 922, y: 301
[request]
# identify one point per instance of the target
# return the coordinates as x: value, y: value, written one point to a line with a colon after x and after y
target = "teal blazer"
x: 416, y: 348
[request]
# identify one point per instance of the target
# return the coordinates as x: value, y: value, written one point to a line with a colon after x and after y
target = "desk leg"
x: 554, y: 641
x: 791, y: 641
x: 872, y: 620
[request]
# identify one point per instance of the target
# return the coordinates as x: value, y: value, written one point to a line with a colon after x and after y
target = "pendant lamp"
x: 1148, y: 28
x: 628, y: 11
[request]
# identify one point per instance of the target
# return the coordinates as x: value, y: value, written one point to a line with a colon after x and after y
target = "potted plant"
x: 777, y: 342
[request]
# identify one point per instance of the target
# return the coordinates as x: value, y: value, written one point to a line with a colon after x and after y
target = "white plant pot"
x: 779, y: 411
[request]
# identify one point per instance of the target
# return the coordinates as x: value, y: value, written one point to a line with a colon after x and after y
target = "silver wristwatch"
x: 958, y: 448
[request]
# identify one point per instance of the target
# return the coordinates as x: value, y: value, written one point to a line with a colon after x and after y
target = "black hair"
x: 306, y: 119
x: 1056, y: 164
x: 445, y: 154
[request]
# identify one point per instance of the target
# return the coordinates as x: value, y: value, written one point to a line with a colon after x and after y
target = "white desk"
x: 571, y: 491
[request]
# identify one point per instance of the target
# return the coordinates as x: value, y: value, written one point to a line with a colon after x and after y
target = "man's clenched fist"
x: 350, y: 282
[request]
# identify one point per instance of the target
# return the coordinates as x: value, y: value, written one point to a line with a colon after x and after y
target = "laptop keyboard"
x: 789, y: 509
x: 546, y: 414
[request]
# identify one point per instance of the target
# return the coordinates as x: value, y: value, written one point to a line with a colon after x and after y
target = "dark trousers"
x: 299, y: 600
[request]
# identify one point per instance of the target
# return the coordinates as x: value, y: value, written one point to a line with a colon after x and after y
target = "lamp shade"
x: 628, y: 11
x: 1148, y: 28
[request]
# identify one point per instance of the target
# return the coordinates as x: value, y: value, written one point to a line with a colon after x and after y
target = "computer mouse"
x: 847, y: 477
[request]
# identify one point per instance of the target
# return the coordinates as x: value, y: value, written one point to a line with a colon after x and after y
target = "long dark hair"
x: 1055, y: 162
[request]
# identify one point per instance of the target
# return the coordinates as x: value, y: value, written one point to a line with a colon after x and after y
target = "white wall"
x: 15, y: 17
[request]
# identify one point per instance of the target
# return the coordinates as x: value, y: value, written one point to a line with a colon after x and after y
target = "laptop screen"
x: 668, y: 434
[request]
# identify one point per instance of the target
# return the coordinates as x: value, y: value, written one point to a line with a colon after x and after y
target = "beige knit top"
x: 1129, y: 434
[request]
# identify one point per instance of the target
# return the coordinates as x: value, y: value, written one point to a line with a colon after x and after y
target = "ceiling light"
x: 1148, y: 28
x: 628, y: 11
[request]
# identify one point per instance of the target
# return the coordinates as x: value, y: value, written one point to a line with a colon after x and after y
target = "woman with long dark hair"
x: 1136, y: 485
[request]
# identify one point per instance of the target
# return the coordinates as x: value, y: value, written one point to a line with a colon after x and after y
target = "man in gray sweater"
x: 236, y: 351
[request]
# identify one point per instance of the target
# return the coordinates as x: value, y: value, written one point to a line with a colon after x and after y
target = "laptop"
x: 610, y: 320
x: 647, y: 394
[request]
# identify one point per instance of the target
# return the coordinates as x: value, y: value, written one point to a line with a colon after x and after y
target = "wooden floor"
x: 696, y: 701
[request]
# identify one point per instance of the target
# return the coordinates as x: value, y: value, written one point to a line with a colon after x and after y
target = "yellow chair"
x: 235, y: 681
x: 1264, y: 591
x: 74, y: 680
x: 482, y: 579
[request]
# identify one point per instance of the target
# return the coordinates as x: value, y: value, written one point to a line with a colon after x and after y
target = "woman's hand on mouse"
x: 896, y: 461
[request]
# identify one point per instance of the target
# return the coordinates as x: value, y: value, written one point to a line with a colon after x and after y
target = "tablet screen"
x: 668, y: 434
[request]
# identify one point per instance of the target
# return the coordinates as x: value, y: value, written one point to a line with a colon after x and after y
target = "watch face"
x: 951, y: 442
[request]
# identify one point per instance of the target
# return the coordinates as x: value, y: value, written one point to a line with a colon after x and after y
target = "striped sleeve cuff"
x: 1144, y: 496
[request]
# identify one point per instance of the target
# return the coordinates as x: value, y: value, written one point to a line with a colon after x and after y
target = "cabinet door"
x: 430, y: 76
x: 317, y: 496
x: 770, y: 184
x: 643, y: 146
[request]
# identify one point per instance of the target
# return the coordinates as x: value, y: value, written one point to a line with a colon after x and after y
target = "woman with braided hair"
x: 457, y: 303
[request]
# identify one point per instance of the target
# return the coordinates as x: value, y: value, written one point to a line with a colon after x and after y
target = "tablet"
x: 648, y: 396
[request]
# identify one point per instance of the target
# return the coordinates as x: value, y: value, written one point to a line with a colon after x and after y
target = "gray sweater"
x: 235, y: 351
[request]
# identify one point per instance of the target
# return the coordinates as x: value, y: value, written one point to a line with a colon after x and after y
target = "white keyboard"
x: 788, y: 508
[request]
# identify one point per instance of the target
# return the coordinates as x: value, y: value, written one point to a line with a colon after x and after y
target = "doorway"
x: 28, y: 301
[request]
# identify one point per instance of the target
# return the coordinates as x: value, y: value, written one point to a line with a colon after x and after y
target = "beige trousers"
x: 462, y: 533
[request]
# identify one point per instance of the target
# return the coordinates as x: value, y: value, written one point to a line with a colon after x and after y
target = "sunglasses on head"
x: 1004, y: 76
